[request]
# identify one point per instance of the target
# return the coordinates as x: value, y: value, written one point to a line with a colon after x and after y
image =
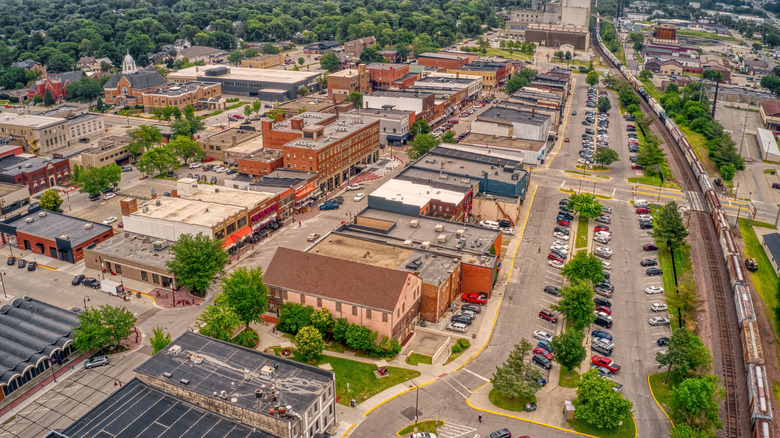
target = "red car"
x: 606, y: 363
x: 236, y: 116
x: 563, y: 222
x: 642, y: 210
x: 650, y: 247
x: 556, y: 257
x: 543, y: 352
x: 206, y: 159
x: 601, y: 228
x: 476, y: 298
x: 604, y: 309
x: 566, y: 140
x: 547, y: 315
x: 636, y: 166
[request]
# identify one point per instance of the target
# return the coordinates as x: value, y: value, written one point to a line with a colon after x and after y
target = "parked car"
x: 605, y: 362
x: 552, y: 290
x: 548, y: 316
x: 601, y: 334
x: 194, y: 165
x: 603, y: 219
x: 649, y: 262
x: 32, y: 266
x: 21, y: 263
x: 651, y: 290
x: 504, y: 433
x: 337, y: 200
x: 354, y: 187
x: 659, y: 320
x: 603, y: 372
x: 461, y: 318
x: 662, y: 341
x: 603, y: 321
x: 91, y: 282
x: 642, y: 210
x: 206, y: 159
x: 77, y: 280
x: 602, y: 302
x: 556, y: 257
x: 542, y: 335
x: 457, y: 327
x: 650, y: 247
x: 546, y: 345
x: 658, y: 306
x: 654, y: 271
x: 541, y: 351
x: 329, y: 206
x: 359, y: 197
x: 127, y: 169
x: 109, y: 220
x: 10, y: 261
x: 312, y: 237
x: 476, y: 308
x: 474, y: 297
x: 555, y: 264
x: 603, y: 309
x: 97, y: 361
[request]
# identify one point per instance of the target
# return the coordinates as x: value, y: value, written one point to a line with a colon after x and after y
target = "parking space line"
x: 456, y: 389
x: 475, y: 374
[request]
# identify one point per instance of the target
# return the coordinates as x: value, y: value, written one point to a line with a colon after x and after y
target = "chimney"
x: 154, y: 193
x: 128, y: 206
x: 296, y: 123
x: 233, y: 140
x: 280, y: 117
x: 196, y: 69
x: 362, y: 68
x: 174, y: 193
x: 533, y: 112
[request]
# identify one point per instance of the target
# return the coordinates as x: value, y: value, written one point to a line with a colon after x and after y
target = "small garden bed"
x: 627, y: 430
x: 422, y: 426
x: 510, y: 404
x: 417, y: 358
x: 582, y: 233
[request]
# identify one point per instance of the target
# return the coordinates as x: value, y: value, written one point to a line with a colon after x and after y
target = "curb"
x: 656, y: 400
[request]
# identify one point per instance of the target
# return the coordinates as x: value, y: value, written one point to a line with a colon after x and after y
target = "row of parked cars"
x: 472, y: 305
x: 22, y: 263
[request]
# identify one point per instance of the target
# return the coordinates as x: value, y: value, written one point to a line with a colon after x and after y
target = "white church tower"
x: 128, y: 65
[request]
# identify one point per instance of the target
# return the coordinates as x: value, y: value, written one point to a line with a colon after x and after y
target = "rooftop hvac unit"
x: 30, y: 219
x: 175, y: 350
x: 88, y: 226
x: 158, y: 203
x: 196, y: 358
x: 266, y: 370
x: 42, y: 214
x: 425, y: 245
x: 247, y: 374
x: 64, y: 237
x: 460, y: 233
x: 439, y: 228
x: 160, y: 245
x: 414, y: 223
x: 145, y: 209
x: 442, y: 237
x: 408, y: 242
x: 515, y: 176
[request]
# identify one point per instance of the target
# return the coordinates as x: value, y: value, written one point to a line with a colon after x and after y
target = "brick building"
x: 422, y: 103
x: 37, y: 173
x: 55, y: 83
x: 135, y: 257
x: 355, y: 47
x: 127, y: 88
x: 320, y: 47
x: 334, y: 147
x: 263, y: 61
x: 384, y: 74
x: 666, y: 32
x: 494, y: 74
x: 391, y: 55
x: 55, y: 235
x: 262, y: 162
x: 554, y: 35
x: 343, y: 82
x: 441, y: 60
x: 383, y: 300
x: 201, y: 95
x: 215, y: 143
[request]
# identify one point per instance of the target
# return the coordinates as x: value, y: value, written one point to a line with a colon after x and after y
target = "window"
x: 303, y: 299
x: 118, y: 269
x: 384, y: 317
x: 368, y: 313
x: 319, y: 302
x: 338, y: 307
x: 354, y: 310
x: 144, y: 276
x: 155, y: 279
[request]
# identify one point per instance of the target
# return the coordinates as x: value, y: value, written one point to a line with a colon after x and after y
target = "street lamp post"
x: 86, y: 298
x: 2, y: 281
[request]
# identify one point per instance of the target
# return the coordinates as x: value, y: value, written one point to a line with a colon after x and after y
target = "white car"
x: 219, y: 169
x: 354, y: 187
x: 194, y: 165
x: 606, y: 264
x: 601, y: 239
x: 555, y: 264
x: 510, y: 231
x: 359, y: 197
x: 108, y: 196
x: 606, y: 210
x: 604, y: 249
x: 658, y: 307
x: 659, y: 320
x: 645, y: 217
x: 654, y: 290
x: 560, y: 235
x: 562, y: 243
x: 602, y: 314
x: 109, y: 220
x: 542, y: 335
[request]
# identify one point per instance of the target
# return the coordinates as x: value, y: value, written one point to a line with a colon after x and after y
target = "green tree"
x: 301, y: 60
x: 696, y: 400
x: 102, y: 327
x: 235, y: 57
x: 604, y: 105
x: 188, y: 125
x: 356, y: 98
x: 645, y: 75
x: 598, y: 405
x: 143, y: 138
x: 371, y: 54
x: 585, y: 204
x: 294, y: 316
x: 309, y: 342
x: 685, y: 355
x: 727, y: 171
x: 329, y: 61
x: 99, y: 105
x: 186, y: 149
x: 686, y: 300
x: 606, y: 156
x: 577, y: 304
x: 196, y: 261
x: 218, y: 321
x: 519, y: 80
x: 303, y: 90
x: 650, y: 153
x: 583, y: 267
x: 516, y: 377
x: 248, y: 108
x: 245, y: 292
x: 592, y: 78
x: 421, y: 144
x: 449, y: 137
x: 638, y: 40
x: 322, y: 320
x: 48, y: 99
x: 159, y: 339
x: 50, y: 200
x: 270, y: 49
x: 256, y: 106
x: 158, y: 160
x: 420, y: 126
x: 569, y: 351
x: 669, y: 227
x: 683, y: 430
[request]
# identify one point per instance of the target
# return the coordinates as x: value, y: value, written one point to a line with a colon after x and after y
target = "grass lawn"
x: 569, y: 378
x: 237, y: 105
x: 699, y: 145
x: 627, y: 430
x: 415, y: 358
x: 682, y: 260
x: 582, y: 233
x: 454, y: 356
x: 764, y: 279
x: 651, y: 176
x: 770, y: 170
x: 363, y: 383
x: 710, y: 35
x: 652, y: 90
x: 662, y: 392
x: 422, y: 426
x: 510, y: 404
x: 516, y: 54
x: 654, y: 181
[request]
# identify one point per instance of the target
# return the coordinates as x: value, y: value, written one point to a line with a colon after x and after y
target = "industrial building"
x: 264, y: 84
x: 565, y: 13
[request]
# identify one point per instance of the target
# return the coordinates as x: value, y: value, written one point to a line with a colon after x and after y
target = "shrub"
x: 456, y: 348
x: 13, y: 99
x: 294, y: 316
x: 247, y: 338
x: 139, y: 107
x: 464, y: 343
x: 232, y: 99
x: 4, y: 96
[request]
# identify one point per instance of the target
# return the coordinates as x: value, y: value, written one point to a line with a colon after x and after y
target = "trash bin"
x: 352, y: 403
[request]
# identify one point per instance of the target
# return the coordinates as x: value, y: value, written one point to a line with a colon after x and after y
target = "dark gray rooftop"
x: 53, y: 225
x: 772, y: 242
x: 223, y: 363
x: 135, y: 248
x: 483, y: 66
x: 138, y: 410
x: 399, y: 94
x: 31, y: 331
x: 19, y: 165
x: 139, y: 79
x: 503, y: 115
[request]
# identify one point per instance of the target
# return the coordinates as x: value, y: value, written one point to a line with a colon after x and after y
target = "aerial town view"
x: 332, y: 219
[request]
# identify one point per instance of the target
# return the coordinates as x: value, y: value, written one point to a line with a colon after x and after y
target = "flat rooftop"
x: 385, y: 66
x: 181, y: 89
x: 297, y: 384
x: 381, y: 113
x: 83, y: 118
x: 506, y: 115
x: 347, y: 73
x: 437, y: 81
x: 483, y: 66
x: 506, y: 142
x: 342, y: 127
x: 246, y: 74
x: 432, y: 270
x: 264, y: 155
x: 440, y: 56
x: 30, y: 121
x: 434, y: 178
x: 496, y: 156
x: 52, y: 225
x: 135, y: 248
x: 247, y: 147
x: 399, y: 94
x: 227, y: 196
x: 441, y: 160
x: 226, y: 137
x: 8, y: 188
x: 186, y: 211
x: 12, y: 166
x: 313, y: 104
x: 138, y: 410
x: 414, y: 193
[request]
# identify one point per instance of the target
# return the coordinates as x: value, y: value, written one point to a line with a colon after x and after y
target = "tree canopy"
x: 669, y: 227
x: 598, y: 405
x: 421, y: 144
x: 103, y: 326
x: 583, y: 267
x: 585, y: 204
x: 50, y: 200
x: 606, y: 156
x: 517, y: 377
x: 246, y: 293
x: 196, y: 261
x: 569, y: 351
x: 684, y: 356
x: 577, y: 304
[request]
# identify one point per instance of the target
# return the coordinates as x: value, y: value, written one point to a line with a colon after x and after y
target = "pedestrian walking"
x: 480, y: 418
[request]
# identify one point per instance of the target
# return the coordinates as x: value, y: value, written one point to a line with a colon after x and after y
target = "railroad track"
x: 716, y: 264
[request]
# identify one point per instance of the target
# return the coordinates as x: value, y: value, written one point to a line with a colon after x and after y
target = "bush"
x: 231, y: 99
x: 457, y: 348
x: 4, y: 96
x: 247, y: 338
x: 293, y: 317
x: 464, y: 343
x: 13, y: 99
x: 138, y: 107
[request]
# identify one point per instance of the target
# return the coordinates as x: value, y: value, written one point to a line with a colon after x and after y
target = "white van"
x: 457, y: 327
x: 639, y: 203
x: 489, y: 224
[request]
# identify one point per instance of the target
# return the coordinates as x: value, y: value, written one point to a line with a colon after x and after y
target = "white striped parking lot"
x: 452, y: 430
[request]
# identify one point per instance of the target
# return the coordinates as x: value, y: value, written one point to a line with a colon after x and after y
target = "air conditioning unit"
x: 175, y: 350
x: 160, y: 245
x: 425, y: 245
x: 460, y: 233
x: 414, y: 223
x: 439, y: 228
x: 42, y: 214
x: 30, y: 220
x: 88, y: 226
x: 408, y: 242
x: 65, y: 237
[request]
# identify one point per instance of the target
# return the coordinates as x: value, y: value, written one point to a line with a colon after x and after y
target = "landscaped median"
x: 428, y: 426
x: 661, y: 392
x: 582, y: 233
x: 651, y: 177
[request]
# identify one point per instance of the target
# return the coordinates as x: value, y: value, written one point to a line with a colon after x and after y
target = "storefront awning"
x: 399, y: 137
x: 263, y: 223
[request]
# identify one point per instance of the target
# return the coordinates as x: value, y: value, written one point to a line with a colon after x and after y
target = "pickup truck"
x: 476, y: 298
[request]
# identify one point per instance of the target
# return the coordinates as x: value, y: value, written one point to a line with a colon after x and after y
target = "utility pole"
x: 744, y: 127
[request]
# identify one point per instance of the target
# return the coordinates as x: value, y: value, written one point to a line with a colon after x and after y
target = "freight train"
x: 755, y: 367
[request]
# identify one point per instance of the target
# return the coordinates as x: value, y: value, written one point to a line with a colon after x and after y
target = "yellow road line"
x: 656, y: 401
x: 657, y: 194
x: 47, y: 267
x: 347, y: 432
x: 396, y: 395
x: 522, y: 233
x: 663, y: 189
x: 442, y: 424
x: 735, y: 207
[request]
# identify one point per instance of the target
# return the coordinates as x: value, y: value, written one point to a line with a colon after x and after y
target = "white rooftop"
x: 410, y: 193
x: 30, y: 121
x: 767, y: 141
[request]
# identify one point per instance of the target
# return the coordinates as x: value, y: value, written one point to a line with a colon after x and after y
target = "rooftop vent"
x: 442, y: 237
x: 425, y: 245
x: 439, y: 228
x: 460, y: 233
x: 175, y: 350
x: 30, y: 219
x: 414, y: 223
x: 414, y: 264
x: 88, y: 226
x: 408, y: 242
x: 184, y: 381
x: 247, y: 374
x: 64, y: 237
x: 195, y: 358
x: 167, y: 375
x: 158, y: 203
x: 42, y: 214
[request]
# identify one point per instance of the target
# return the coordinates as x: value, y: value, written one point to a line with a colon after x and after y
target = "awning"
x: 263, y: 223
x: 229, y: 242
x: 240, y: 234
x: 399, y: 137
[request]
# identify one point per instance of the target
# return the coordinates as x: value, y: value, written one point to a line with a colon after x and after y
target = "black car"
x: 32, y: 266
x: 94, y: 197
x: 504, y: 223
x: 11, y: 261
x: 558, y: 253
x: 542, y: 362
x: 654, y: 271
x: 566, y: 216
x: 94, y: 283
x: 461, y: 317
x: 589, y: 131
x: 552, y: 290
x: 602, y: 302
x: 170, y: 174
x: 776, y: 185
x: 603, y: 322
x: 503, y: 433
x: 649, y: 262
x: 476, y: 308
x: 338, y: 200
x: 633, y: 158
x: 21, y: 263
x: 77, y: 280
x: 213, y: 180
x: 645, y: 225
x: 562, y: 230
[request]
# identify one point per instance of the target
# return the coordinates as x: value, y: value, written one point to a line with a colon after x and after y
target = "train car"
x: 709, y: 195
x: 762, y: 428
x: 751, y: 344
x: 744, y: 304
x: 696, y: 166
x: 758, y: 396
x: 736, y: 273
x: 721, y: 221
x: 727, y: 243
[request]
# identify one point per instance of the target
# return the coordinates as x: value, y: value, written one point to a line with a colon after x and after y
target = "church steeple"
x: 128, y: 65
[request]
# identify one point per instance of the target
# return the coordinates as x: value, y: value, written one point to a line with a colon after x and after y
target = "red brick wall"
x: 78, y: 252
x: 257, y: 168
x: 442, y: 63
x: 382, y: 78
x: 476, y: 279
